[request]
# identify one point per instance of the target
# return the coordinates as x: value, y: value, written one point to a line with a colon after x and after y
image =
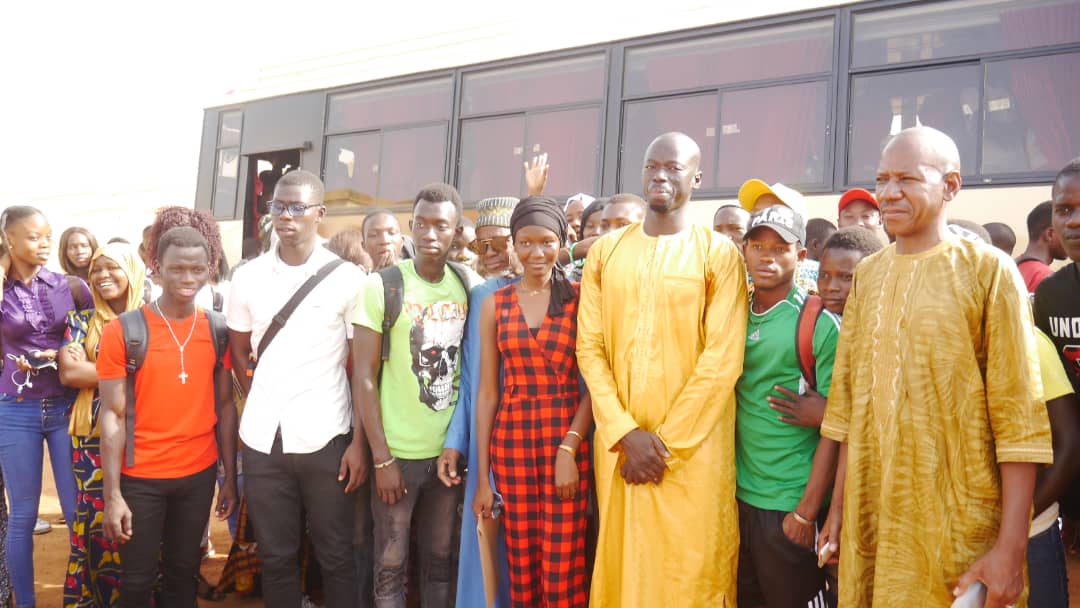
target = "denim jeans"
x: 167, y: 518
x: 26, y: 426
x: 279, y: 489
x: 435, y: 508
x: 364, y: 545
x: 1047, y: 571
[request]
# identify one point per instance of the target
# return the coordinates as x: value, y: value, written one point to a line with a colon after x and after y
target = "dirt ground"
x: 51, y: 554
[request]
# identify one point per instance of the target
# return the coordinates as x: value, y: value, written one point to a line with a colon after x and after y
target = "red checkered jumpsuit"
x: 545, y: 535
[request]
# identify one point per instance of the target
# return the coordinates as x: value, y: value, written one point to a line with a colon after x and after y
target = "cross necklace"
x: 183, y: 376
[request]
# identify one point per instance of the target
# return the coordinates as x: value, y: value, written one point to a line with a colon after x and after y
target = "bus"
x: 799, y: 92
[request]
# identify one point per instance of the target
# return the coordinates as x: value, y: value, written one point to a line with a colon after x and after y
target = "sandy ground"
x: 51, y: 554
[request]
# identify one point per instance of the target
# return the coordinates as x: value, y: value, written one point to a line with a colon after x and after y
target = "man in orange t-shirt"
x: 156, y: 508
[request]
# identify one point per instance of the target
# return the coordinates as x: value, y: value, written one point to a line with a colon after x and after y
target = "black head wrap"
x: 543, y: 211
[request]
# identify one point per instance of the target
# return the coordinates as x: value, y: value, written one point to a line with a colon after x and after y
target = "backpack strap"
x: 75, y: 284
x: 136, y: 337
x: 219, y: 300
x: 462, y: 273
x: 286, y: 311
x: 219, y: 332
x: 393, y: 296
x: 804, y: 338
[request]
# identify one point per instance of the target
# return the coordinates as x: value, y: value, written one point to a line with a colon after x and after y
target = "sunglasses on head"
x: 498, y: 243
x: 294, y: 209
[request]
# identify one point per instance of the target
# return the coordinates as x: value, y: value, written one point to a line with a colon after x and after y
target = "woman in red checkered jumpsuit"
x: 538, y: 421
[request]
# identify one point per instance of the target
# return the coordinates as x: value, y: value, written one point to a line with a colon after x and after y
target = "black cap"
x: 788, y: 224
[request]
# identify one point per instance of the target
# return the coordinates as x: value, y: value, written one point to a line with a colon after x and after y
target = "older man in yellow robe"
x: 937, y: 399
x: 661, y: 328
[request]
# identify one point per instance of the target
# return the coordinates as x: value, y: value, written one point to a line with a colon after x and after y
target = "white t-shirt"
x: 300, y: 384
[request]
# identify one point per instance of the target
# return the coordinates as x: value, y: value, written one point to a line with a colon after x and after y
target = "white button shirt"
x: 300, y: 384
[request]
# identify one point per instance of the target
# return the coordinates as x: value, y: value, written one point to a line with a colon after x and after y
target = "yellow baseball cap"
x: 753, y: 189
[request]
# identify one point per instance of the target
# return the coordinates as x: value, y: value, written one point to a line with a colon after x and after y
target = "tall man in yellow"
x: 937, y: 399
x: 661, y: 326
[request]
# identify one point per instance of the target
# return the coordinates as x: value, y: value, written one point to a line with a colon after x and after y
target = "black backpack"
x: 393, y: 296
x: 136, y: 335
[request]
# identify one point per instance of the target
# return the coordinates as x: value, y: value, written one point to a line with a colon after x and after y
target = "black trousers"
x: 279, y: 488
x: 168, y: 517
x: 773, y: 570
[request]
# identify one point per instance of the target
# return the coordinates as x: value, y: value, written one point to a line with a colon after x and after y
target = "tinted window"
x: 411, y: 159
x: 932, y: 30
x: 643, y: 121
x: 574, y: 80
x: 493, y: 151
x: 491, y: 157
x: 228, y: 168
x: 1031, y: 121
x: 383, y: 168
x: 231, y: 122
x: 775, y: 133
x: 754, y: 55
x: 572, y: 140
x: 946, y: 99
x: 351, y: 172
x: 408, y: 103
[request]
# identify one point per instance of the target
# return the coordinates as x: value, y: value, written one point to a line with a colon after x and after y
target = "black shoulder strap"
x: 219, y: 300
x: 136, y: 336
x: 219, y: 332
x: 393, y: 296
x: 286, y: 311
x: 463, y: 276
x: 804, y: 338
x: 75, y: 284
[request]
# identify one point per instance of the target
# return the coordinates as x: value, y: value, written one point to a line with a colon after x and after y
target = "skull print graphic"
x: 434, y: 342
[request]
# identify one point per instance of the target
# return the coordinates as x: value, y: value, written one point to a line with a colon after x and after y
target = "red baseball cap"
x: 858, y: 194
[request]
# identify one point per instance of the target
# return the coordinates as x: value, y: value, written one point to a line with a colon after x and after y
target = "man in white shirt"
x: 301, y: 450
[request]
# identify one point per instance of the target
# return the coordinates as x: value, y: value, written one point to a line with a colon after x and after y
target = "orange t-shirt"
x: 174, y: 422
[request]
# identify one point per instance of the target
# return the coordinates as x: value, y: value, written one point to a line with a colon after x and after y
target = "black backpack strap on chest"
x: 136, y: 337
x: 393, y: 296
x: 290, y: 307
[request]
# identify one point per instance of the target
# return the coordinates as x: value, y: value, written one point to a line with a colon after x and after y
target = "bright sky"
x: 101, y: 115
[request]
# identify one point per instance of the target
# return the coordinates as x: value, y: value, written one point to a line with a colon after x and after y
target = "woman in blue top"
x: 33, y: 404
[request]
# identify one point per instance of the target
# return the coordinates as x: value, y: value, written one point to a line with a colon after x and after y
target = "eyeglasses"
x: 498, y: 243
x: 294, y: 209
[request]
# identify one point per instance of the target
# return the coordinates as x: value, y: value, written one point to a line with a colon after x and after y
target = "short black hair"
x: 854, y: 238
x: 818, y: 229
x: 1001, y: 236
x: 1040, y: 218
x: 592, y: 209
x: 626, y: 197
x: 374, y: 214
x: 439, y: 192
x: 181, y: 236
x: 973, y: 227
x: 1070, y: 170
x: 301, y: 179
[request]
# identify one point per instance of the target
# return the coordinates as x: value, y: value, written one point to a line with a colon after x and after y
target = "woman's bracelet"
x: 570, y: 252
x: 568, y: 449
x: 383, y: 465
x: 575, y: 434
x: 802, y: 520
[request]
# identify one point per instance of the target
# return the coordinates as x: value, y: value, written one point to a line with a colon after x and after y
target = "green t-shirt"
x: 773, y: 458
x: 419, y: 383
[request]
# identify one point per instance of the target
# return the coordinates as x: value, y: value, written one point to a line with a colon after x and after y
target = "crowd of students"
x: 593, y: 402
